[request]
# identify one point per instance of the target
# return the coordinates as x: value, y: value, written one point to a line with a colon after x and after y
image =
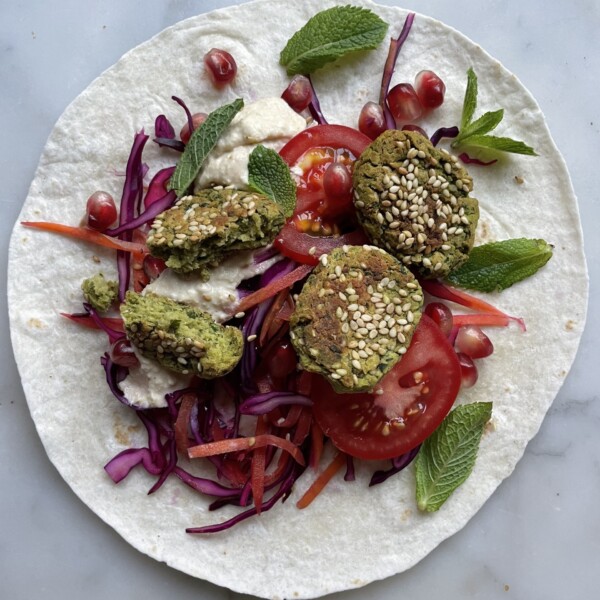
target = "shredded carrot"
x: 271, y: 314
x: 322, y: 480
x: 283, y: 283
x: 481, y: 319
x: 284, y: 459
x: 291, y: 418
x: 247, y: 443
x: 303, y: 427
x: 88, y: 235
x: 316, y: 447
x: 446, y: 292
x: 181, y: 424
x: 257, y: 471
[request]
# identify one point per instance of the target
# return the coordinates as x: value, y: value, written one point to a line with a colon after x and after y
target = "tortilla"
x: 340, y: 541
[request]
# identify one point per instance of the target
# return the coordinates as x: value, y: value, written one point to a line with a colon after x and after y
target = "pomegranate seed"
x: 101, y: 211
x: 468, y: 370
x: 121, y: 353
x: 473, y: 342
x: 337, y: 182
x: 404, y: 104
x: 299, y: 93
x: 430, y: 89
x: 441, y: 316
x: 220, y: 66
x: 197, y: 120
x: 371, y: 121
x: 416, y: 128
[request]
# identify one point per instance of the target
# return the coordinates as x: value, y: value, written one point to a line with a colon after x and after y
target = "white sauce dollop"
x: 268, y: 121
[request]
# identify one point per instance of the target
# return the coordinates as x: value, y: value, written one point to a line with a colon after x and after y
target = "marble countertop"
x: 539, y: 534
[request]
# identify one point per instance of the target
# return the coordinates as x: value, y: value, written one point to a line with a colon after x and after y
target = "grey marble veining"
x: 538, y: 537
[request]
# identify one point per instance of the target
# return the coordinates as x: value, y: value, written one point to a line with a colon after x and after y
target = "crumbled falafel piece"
x: 101, y: 293
x: 355, y: 317
x: 412, y: 199
x: 180, y: 337
x: 199, y: 231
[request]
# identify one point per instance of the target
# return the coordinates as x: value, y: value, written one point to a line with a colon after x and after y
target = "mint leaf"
x: 470, y: 101
x: 330, y: 34
x: 503, y: 144
x: 203, y: 140
x: 498, y: 265
x: 268, y: 174
x: 487, y: 122
x: 446, y: 458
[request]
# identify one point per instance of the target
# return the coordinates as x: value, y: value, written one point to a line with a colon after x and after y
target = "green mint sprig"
x: 475, y: 133
x: 268, y: 174
x: 329, y: 35
x: 446, y: 459
x: 495, y: 266
x: 202, y: 141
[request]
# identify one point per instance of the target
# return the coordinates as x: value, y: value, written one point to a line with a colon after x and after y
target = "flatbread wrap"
x: 522, y: 390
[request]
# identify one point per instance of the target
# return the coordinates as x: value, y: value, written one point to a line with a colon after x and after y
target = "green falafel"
x: 199, y: 231
x: 180, y: 337
x: 412, y: 199
x: 355, y: 317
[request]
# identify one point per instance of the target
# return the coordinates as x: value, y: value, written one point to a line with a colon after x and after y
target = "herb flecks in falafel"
x: 355, y: 317
x: 180, y: 337
x: 412, y: 199
x: 199, y: 231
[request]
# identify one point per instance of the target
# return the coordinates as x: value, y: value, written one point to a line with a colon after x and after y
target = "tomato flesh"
x: 408, y: 405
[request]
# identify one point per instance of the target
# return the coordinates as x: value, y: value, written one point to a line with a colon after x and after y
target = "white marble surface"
x: 537, y: 537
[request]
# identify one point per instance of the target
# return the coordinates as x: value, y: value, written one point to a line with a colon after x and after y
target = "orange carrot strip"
x: 181, y: 424
x: 277, y: 304
x: 257, y: 471
x: 303, y: 427
x: 322, y: 480
x: 249, y: 443
x: 279, y: 469
x: 283, y: 283
x: 291, y: 418
x: 481, y: 319
x: 86, y: 321
x: 87, y: 235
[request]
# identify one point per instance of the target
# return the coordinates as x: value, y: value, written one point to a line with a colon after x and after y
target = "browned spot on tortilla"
x: 36, y: 323
x: 123, y: 433
x: 96, y: 259
x: 506, y: 587
x: 563, y: 373
x: 358, y: 582
x: 519, y: 179
x: 490, y: 426
x: 507, y: 390
x: 484, y: 232
x: 405, y: 515
x: 570, y: 324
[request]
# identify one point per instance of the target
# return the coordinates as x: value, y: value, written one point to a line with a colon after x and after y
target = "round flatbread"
x: 352, y: 534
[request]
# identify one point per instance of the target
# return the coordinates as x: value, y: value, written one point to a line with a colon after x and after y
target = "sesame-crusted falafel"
x: 180, y: 337
x: 199, y: 231
x: 355, y: 317
x: 412, y: 199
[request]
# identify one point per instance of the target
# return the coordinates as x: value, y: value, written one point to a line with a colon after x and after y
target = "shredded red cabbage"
x: 261, y: 404
x: 398, y: 464
x: 113, y: 334
x: 443, y: 132
x: 188, y: 114
x: 468, y: 160
x: 314, y: 105
x: 158, y: 186
x: 163, y: 128
x: 148, y: 215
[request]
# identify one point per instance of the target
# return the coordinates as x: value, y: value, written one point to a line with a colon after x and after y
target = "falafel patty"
x: 355, y: 317
x: 180, y: 337
x: 199, y: 231
x: 412, y: 199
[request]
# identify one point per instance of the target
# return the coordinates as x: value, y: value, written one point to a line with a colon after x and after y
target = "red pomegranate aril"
x: 404, y: 104
x: 153, y: 266
x: 430, y: 89
x: 416, y: 128
x: 473, y: 342
x: 371, y: 121
x: 337, y: 182
x: 468, y: 370
x: 299, y: 93
x: 220, y: 66
x: 197, y: 120
x: 122, y: 354
x: 101, y: 211
x: 441, y: 315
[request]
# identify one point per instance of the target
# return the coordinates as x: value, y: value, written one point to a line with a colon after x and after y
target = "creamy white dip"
x: 217, y: 296
x: 268, y: 121
x: 146, y: 386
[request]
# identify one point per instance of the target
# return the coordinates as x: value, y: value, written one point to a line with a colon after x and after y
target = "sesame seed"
x: 240, y: 315
x: 251, y: 338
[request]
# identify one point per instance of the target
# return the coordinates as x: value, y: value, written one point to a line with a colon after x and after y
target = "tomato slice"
x: 330, y: 136
x: 299, y: 246
x: 410, y: 402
